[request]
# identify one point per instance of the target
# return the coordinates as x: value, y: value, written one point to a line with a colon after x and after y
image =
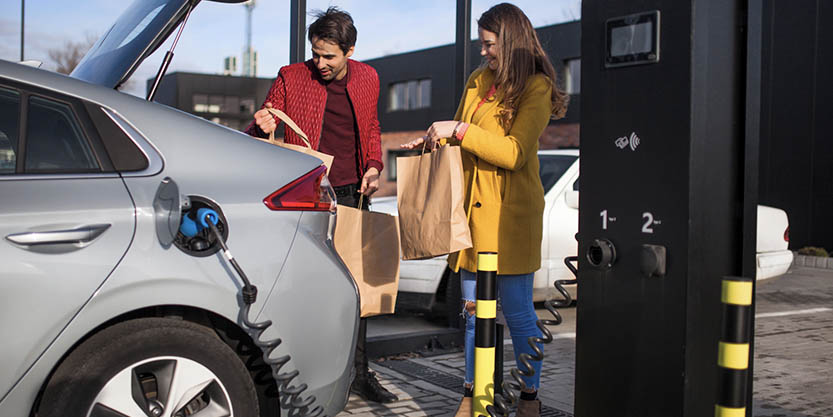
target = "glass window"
x: 247, y: 105
x: 425, y: 93
x: 215, y: 104
x: 413, y: 96
x: 9, y: 129
x: 398, y: 97
x: 201, y: 103
x: 54, y: 140
x: 231, y: 105
x: 572, y: 76
x: 552, y: 167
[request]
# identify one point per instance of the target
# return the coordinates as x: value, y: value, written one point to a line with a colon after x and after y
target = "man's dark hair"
x: 334, y: 25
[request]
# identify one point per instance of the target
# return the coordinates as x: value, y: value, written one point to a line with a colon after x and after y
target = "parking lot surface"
x: 793, y: 367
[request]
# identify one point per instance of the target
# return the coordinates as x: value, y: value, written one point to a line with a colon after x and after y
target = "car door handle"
x: 78, y: 235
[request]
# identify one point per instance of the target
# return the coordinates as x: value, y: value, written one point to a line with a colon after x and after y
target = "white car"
x: 425, y: 284
x: 773, y: 257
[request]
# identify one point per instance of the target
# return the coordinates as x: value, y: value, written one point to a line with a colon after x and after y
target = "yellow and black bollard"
x: 733, y: 349
x: 484, y: 333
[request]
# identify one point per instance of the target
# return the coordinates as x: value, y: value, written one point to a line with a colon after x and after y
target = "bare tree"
x: 68, y: 56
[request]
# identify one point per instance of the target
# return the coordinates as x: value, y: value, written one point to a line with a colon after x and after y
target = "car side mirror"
x: 571, y: 199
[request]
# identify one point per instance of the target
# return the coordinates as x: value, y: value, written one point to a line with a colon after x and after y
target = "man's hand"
x: 265, y: 121
x: 370, y: 182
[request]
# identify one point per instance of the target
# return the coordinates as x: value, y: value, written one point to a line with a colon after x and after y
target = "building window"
x: 204, y: 103
x: 215, y: 104
x: 201, y: 103
x: 231, y: 105
x: 409, y: 95
x: 247, y: 105
x: 390, y: 167
x: 572, y: 76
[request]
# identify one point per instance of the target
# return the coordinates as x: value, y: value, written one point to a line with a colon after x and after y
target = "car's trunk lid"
x: 137, y: 33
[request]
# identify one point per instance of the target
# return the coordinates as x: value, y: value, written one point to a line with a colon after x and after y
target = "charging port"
x: 203, y: 242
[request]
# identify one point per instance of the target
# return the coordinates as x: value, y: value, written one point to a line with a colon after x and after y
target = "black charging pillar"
x: 662, y: 202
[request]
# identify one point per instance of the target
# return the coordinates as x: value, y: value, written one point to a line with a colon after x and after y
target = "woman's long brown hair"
x: 520, y: 56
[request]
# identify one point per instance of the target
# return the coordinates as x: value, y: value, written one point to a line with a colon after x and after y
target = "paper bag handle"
x: 286, y: 119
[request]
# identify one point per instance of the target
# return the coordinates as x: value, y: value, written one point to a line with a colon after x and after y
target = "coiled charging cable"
x: 298, y: 406
x: 509, y: 389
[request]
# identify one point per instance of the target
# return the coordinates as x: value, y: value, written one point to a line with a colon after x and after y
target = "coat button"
x: 477, y: 204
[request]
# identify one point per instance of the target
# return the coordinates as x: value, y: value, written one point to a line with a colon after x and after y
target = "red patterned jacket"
x: 300, y: 92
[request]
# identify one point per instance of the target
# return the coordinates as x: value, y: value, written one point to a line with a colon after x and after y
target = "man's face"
x: 330, y: 60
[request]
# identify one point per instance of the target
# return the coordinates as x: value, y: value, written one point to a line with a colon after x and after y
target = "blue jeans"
x: 515, y: 295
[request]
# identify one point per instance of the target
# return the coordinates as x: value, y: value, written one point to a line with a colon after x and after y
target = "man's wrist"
x: 374, y: 164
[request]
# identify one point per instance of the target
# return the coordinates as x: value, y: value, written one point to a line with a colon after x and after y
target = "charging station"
x: 667, y: 202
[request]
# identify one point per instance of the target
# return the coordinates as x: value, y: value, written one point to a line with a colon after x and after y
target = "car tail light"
x: 310, y: 192
x: 787, y: 234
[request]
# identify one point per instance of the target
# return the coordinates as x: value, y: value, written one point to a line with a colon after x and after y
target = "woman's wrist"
x: 460, y: 131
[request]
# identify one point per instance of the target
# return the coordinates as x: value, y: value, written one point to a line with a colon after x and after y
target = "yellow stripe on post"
x: 484, y: 380
x: 733, y: 355
x: 487, y: 262
x: 485, y: 309
x: 737, y: 292
x: 720, y: 411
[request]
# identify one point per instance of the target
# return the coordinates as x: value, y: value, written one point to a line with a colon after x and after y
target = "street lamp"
x: 22, y: 17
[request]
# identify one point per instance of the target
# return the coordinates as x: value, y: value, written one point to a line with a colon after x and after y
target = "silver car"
x: 118, y: 297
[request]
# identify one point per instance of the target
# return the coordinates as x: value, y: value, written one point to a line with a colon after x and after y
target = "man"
x: 333, y: 100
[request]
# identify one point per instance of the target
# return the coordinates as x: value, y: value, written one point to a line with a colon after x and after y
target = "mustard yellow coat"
x: 504, y: 195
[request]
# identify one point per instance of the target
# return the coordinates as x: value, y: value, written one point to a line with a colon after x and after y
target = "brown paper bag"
x: 429, y: 195
x: 368, y: 243
x: 327, y: 159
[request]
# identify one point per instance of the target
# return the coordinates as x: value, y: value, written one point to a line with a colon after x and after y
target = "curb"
x: 812, y: 261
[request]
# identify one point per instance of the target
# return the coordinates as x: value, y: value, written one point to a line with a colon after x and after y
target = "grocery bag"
x: 429, y: 195
x: 368, y: 243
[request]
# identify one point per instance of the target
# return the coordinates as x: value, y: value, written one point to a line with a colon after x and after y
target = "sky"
x: 217, y: 30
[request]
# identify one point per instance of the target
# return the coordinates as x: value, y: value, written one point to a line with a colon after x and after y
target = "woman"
x: 505, y: 108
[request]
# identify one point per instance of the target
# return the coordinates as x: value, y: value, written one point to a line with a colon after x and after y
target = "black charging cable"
x: 501, y: 407
x: 297, y: 405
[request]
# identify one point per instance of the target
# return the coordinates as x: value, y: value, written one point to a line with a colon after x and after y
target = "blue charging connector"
x: 190, y: 227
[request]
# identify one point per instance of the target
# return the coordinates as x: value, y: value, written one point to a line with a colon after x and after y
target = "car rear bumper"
x: 772, y: 264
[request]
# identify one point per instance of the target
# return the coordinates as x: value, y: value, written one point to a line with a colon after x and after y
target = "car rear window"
x: 553, y: 167
x: 54, y: 140
x: 9, y: 129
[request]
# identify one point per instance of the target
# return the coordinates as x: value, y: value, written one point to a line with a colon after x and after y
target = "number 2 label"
x: 649, y: 222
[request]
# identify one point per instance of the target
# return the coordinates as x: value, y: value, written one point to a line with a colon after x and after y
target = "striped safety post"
x: 484, y: 333
x: 733, y: 348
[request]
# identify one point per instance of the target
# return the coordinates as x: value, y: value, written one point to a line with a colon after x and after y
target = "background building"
x: 227, y: 100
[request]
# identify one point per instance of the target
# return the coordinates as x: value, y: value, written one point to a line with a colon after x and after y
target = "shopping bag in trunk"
x: 429, y: 195
x: 368, y: 243
x: 327, y: 159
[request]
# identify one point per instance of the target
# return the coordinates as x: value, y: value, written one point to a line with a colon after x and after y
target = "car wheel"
x: 152, y: 367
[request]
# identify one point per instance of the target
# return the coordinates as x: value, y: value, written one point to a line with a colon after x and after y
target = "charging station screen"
x: 632, y: 40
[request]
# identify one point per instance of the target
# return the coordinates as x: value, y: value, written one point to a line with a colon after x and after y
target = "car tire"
x: 136, y: 366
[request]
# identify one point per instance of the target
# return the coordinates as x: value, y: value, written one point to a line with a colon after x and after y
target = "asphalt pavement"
x: 793, y: 367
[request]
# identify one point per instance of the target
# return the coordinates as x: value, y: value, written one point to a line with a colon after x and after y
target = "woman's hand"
x: 442, y: 130
x: 437, y: 131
